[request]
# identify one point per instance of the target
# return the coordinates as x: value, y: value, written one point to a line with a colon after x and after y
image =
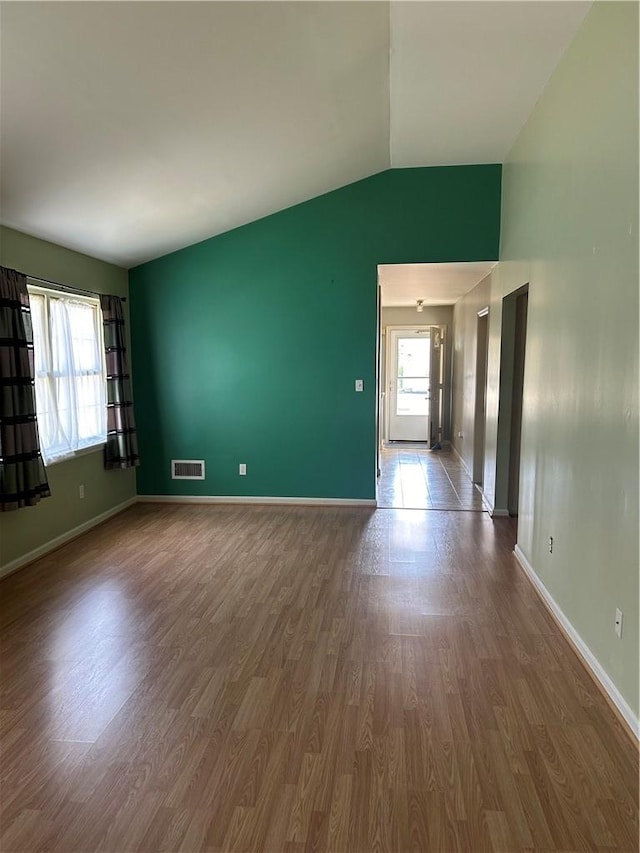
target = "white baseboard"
x: 244, y: 499
x: 589, y: 659
x: 52, y: 544
x: 500, y: 513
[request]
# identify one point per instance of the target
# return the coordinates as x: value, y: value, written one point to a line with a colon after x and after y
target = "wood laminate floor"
x: 299, y: 679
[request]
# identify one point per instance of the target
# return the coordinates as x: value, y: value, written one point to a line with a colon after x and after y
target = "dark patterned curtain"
x: 122, y: 444
x: 23, y: 480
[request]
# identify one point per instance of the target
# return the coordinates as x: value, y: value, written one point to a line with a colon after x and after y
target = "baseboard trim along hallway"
x: 611, y: 693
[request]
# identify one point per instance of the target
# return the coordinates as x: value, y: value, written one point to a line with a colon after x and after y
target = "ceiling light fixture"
x: 419, y: 307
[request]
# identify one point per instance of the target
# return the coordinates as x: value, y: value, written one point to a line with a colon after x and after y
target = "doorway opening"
x: 512, y: 367
x: 416, y: 467
x: 479, y: 426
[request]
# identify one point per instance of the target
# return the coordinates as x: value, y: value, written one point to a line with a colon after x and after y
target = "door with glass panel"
x: 408, y: 384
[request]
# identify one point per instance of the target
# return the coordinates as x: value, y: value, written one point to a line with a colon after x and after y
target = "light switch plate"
x: 359, y: 384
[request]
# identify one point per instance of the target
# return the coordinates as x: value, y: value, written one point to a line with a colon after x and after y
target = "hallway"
x: 414, y: 477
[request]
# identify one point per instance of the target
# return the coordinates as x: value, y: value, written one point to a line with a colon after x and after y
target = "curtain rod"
x: 66, y: 287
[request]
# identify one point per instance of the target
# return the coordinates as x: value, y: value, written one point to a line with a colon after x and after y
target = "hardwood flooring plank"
x: 296, y: 679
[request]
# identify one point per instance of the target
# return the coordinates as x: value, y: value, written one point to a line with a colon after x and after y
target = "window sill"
x: 84, y: 451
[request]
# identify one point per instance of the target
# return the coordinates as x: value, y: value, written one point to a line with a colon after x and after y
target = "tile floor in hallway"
x: 414, y: 477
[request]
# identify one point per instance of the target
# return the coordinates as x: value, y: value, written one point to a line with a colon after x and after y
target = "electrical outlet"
x: 81, y: 491
x: 618, y: 623
x: 551, y: 544
x: 242, y: 469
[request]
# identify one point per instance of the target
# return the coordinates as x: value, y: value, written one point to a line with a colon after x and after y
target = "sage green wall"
x: 246, y: 346
x: 465, y: 338
x: 570, y: 229
x: 27, y: 529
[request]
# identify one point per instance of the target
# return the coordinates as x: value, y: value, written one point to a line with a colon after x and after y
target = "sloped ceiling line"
x: 134, y: 129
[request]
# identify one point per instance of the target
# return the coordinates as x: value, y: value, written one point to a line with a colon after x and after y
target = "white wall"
x: 570, y: 229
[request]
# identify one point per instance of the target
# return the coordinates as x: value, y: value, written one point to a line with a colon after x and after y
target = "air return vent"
x: 187, y: 469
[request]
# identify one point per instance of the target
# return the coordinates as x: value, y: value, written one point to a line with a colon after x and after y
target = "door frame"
x: 506, y: 397
x: 480, y: 404
x: 384, y: 380
x: 437, y: 382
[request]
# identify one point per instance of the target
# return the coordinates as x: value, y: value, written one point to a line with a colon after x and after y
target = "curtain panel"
x: 121, y: 450
x: 23, y: 480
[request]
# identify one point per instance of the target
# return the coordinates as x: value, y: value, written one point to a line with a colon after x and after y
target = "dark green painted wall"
x: 245, y: 347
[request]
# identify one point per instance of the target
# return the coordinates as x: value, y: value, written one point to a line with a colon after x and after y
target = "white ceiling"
x: 465, y: 76
x: 132, y: 129
x: 402, y: 285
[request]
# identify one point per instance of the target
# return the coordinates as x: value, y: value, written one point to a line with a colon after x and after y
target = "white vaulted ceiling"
x: 131, y: 129
x: 466, y: 75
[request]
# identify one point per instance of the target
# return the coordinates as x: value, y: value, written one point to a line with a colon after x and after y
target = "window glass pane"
x: 83, y: 335
x: 36, y: 303
x: 92, y: 411
x: 60, y: 337
x: 413, y: 385
x: 413, y: 356
x: 46, y: 413
x: 412, y: 397
x: 70, y: 378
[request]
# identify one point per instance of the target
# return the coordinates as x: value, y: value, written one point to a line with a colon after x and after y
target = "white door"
x: 409, y: 361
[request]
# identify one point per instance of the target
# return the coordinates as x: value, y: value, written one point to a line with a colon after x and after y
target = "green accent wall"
x: 30, y: 528
x: 246, y: 346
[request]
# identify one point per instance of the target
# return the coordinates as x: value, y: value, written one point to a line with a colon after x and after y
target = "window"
x: 71, y: 401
